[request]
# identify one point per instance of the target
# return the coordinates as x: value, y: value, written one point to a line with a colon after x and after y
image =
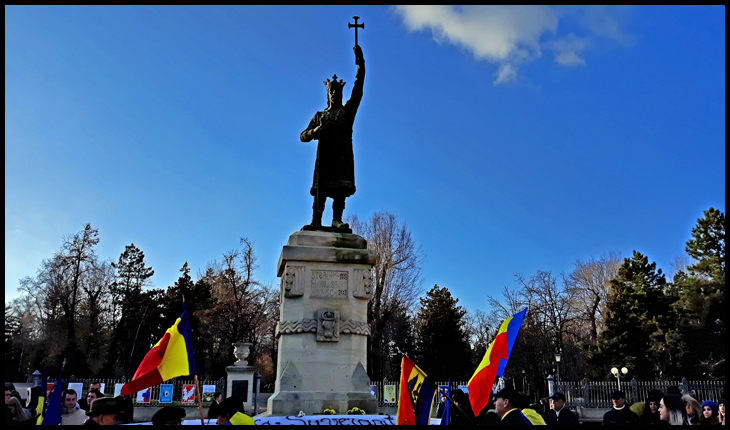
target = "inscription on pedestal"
x: 329, y: 284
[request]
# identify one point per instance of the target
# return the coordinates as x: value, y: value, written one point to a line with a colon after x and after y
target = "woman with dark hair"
x: 721, y: 412
x: 18, y: 414
x: 651, y: 408
x: 461, y: 412
x: 709, y: 413
x: 692, y: 409
x: 672, y: 410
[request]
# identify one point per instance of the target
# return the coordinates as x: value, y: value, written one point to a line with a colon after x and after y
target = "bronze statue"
x: 334, y: 170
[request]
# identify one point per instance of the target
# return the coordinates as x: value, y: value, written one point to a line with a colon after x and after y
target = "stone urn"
x: 241, y: 350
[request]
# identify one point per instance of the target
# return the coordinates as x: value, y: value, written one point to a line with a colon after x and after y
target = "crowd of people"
x: 97, y: 409
x: 509, y: 407
x: 506, y: 407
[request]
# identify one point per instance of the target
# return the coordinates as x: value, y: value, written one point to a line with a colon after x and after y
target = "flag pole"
x: 197, y: 389
x: 200, y: 399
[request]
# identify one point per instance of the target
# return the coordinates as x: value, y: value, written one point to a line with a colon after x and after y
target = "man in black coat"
x: 620, y: 414
x: 506, y: 406
x: 558, y: 414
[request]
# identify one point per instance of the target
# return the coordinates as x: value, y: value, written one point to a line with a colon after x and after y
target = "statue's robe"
x: 334, y: 170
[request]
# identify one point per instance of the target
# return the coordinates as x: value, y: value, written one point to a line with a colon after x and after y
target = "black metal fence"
x: 597, y: 394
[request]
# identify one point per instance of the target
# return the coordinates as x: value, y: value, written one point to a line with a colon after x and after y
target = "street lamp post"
x: 620, y: 375
x: 523, y: 382
x: 557, y: 361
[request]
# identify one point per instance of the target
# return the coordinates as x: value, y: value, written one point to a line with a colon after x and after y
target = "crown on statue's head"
x: 334, y: 84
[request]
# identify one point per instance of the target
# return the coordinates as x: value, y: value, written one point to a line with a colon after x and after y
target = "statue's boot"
x: 317, y: 210
x: 338, y: 206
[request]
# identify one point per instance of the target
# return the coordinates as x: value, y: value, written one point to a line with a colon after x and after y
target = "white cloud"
x: 510, y: 36
x: 569, y: 50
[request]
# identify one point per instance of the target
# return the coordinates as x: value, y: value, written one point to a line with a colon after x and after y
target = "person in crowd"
x: 461, y: 411
x: 72, y: 413
x: 213, y: 410
x: 9, y: 388
x: 558, y: 414
x: 17, y: 395
x: 95, y: 385
x: 93, y: 395
x: 692, y: 408
x: 672, y: 410
x: 528, y: 412
x: 620, y: 414
x: 125, y: 405
x: 232, y: 412
x: 674, y: 389
x: 18, y: 414
x: 505, y: 405
x: 650, y: 416
x: 168, y: 416
x: 709, y: 413
x: 544, y: 405
x: 721, y: 412
x: 488, y: 416
x: 103, y: 412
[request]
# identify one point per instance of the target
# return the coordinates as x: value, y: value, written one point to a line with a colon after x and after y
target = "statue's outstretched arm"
x: 356, y: 96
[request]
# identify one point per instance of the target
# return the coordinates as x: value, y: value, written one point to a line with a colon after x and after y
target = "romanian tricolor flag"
x: 417, y: 392
x: 494, y: 362
x: 171, y: 357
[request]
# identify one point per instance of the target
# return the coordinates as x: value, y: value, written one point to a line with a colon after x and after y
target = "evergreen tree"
x: 444, y: 351
x: 198, y: 297
x: 707, y: 246
x: 698, y: 337
x: 636, y: 320
x: 139, y: 313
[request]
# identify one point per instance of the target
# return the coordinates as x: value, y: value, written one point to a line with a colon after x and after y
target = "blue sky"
x: 509, y: 139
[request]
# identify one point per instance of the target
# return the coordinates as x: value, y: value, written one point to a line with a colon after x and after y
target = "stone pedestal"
x: 240, y: 381
x: 323, y: 329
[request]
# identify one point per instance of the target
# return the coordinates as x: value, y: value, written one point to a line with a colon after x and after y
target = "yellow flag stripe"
x: 485, y: 361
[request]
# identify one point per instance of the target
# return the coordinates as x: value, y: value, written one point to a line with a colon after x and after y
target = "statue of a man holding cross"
x: 334, y: 170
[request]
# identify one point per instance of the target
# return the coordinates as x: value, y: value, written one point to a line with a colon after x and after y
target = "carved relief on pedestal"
x: 296, y: 326
x: 355, y: 327
x: 363, y: 288
x: 328, y: 325
x: 293, y: 281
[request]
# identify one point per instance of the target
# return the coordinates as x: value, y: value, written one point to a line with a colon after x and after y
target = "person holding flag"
x: 417, y: 392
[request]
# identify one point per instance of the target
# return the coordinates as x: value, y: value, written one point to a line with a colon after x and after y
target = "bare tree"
x: 513, y: 301
x: 245, y: 310
x: 590, y: 281
x: 396, y: 282
x: 55, y: 289
x: 551, y: 301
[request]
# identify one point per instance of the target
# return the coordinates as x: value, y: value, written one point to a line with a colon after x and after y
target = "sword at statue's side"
x: 355, y: 26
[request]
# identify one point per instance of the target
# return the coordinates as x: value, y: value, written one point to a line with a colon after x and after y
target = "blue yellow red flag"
x: 417, y: 392
x: 171, y: 357
x: 494, y: 362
